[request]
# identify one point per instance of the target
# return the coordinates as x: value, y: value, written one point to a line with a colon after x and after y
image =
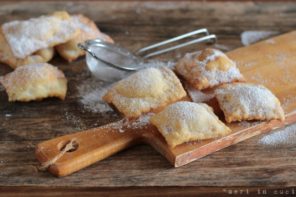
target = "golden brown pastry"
x: 28, y: 36
x: 87, y: 31
x: 144, y: 91
x: 7, y: 57
x: 186, y: 121
x: 207, y: 69
x: 34, y: 82
x: 243, y: 101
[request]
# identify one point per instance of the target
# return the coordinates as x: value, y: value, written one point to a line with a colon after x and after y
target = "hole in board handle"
x: 62, y: 145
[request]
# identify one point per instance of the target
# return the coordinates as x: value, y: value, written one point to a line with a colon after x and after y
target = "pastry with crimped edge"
x: 147, y: 90
x: 245, y: 101
x: 34, y: 82
x: 207, y: 69
x: 187, y: 121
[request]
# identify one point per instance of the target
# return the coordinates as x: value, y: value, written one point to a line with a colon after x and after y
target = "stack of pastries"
x: 28, y: 45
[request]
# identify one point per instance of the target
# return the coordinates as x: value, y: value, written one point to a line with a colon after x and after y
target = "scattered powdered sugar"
x: 246, y: 64
x: 250, y: 37
x: 26, y: 37
x: 279, y: 58
x: 280, y: 137
x: 126, y: 124
x: 141, y: 122
x: 258, y: 78
x: 288, y: 100
x: 78, y: 123
x: 91, y: 92
x: 157, y: 64
x: 270, y: 41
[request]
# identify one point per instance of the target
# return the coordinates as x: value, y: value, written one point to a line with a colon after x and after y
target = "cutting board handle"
x: 88, y: 147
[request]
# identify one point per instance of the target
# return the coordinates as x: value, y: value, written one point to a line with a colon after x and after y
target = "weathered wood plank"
x: 135, y: 24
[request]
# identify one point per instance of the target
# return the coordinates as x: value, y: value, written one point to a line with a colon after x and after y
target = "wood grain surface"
x: 133, y: 25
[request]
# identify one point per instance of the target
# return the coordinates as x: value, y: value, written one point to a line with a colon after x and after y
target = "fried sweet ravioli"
x: 207, y: 69
x: 245, y: 101
x: 147, y: 90
x: 187, y: 121
x: 34, y: 82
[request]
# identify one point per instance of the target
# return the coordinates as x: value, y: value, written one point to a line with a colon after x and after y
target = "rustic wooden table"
x: 247, y: 167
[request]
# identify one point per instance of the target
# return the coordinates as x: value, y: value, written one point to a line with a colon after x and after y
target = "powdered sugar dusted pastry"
x: 29, y: 36
x: 242, y: 101
x: 35, y: 82
x: 87, y: 31
x: 186, y: 121
x: 7, y: 57
x: 207, y: 69
x: 147, y: 90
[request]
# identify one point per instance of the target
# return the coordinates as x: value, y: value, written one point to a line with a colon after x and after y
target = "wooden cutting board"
x: 271, y: 63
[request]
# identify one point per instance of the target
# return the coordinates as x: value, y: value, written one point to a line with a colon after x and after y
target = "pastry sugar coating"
x: 243, y: 101
x: 87, y: 31
x: 34, y: 82
x: 7, y: 57
x: 147, y: 90
x: 28, y: 36
x: 187, y: 121
x: 207, y: 69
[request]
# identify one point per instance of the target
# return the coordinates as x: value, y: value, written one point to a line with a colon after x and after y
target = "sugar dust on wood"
x: 280, y: 137
x: 75, y: 120
x: 90, y: 93
x: 123, y: 125
x: 250, y: 37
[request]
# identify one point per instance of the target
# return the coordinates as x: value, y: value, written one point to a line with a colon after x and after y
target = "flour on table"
x: 249, y: 64
x: 280, y: 137
x: 124, y: 124
x: 288, y: 100
x: 91, y: 92
x: 157, y: 64
x: 250, y: 37
x: 75, y: 120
